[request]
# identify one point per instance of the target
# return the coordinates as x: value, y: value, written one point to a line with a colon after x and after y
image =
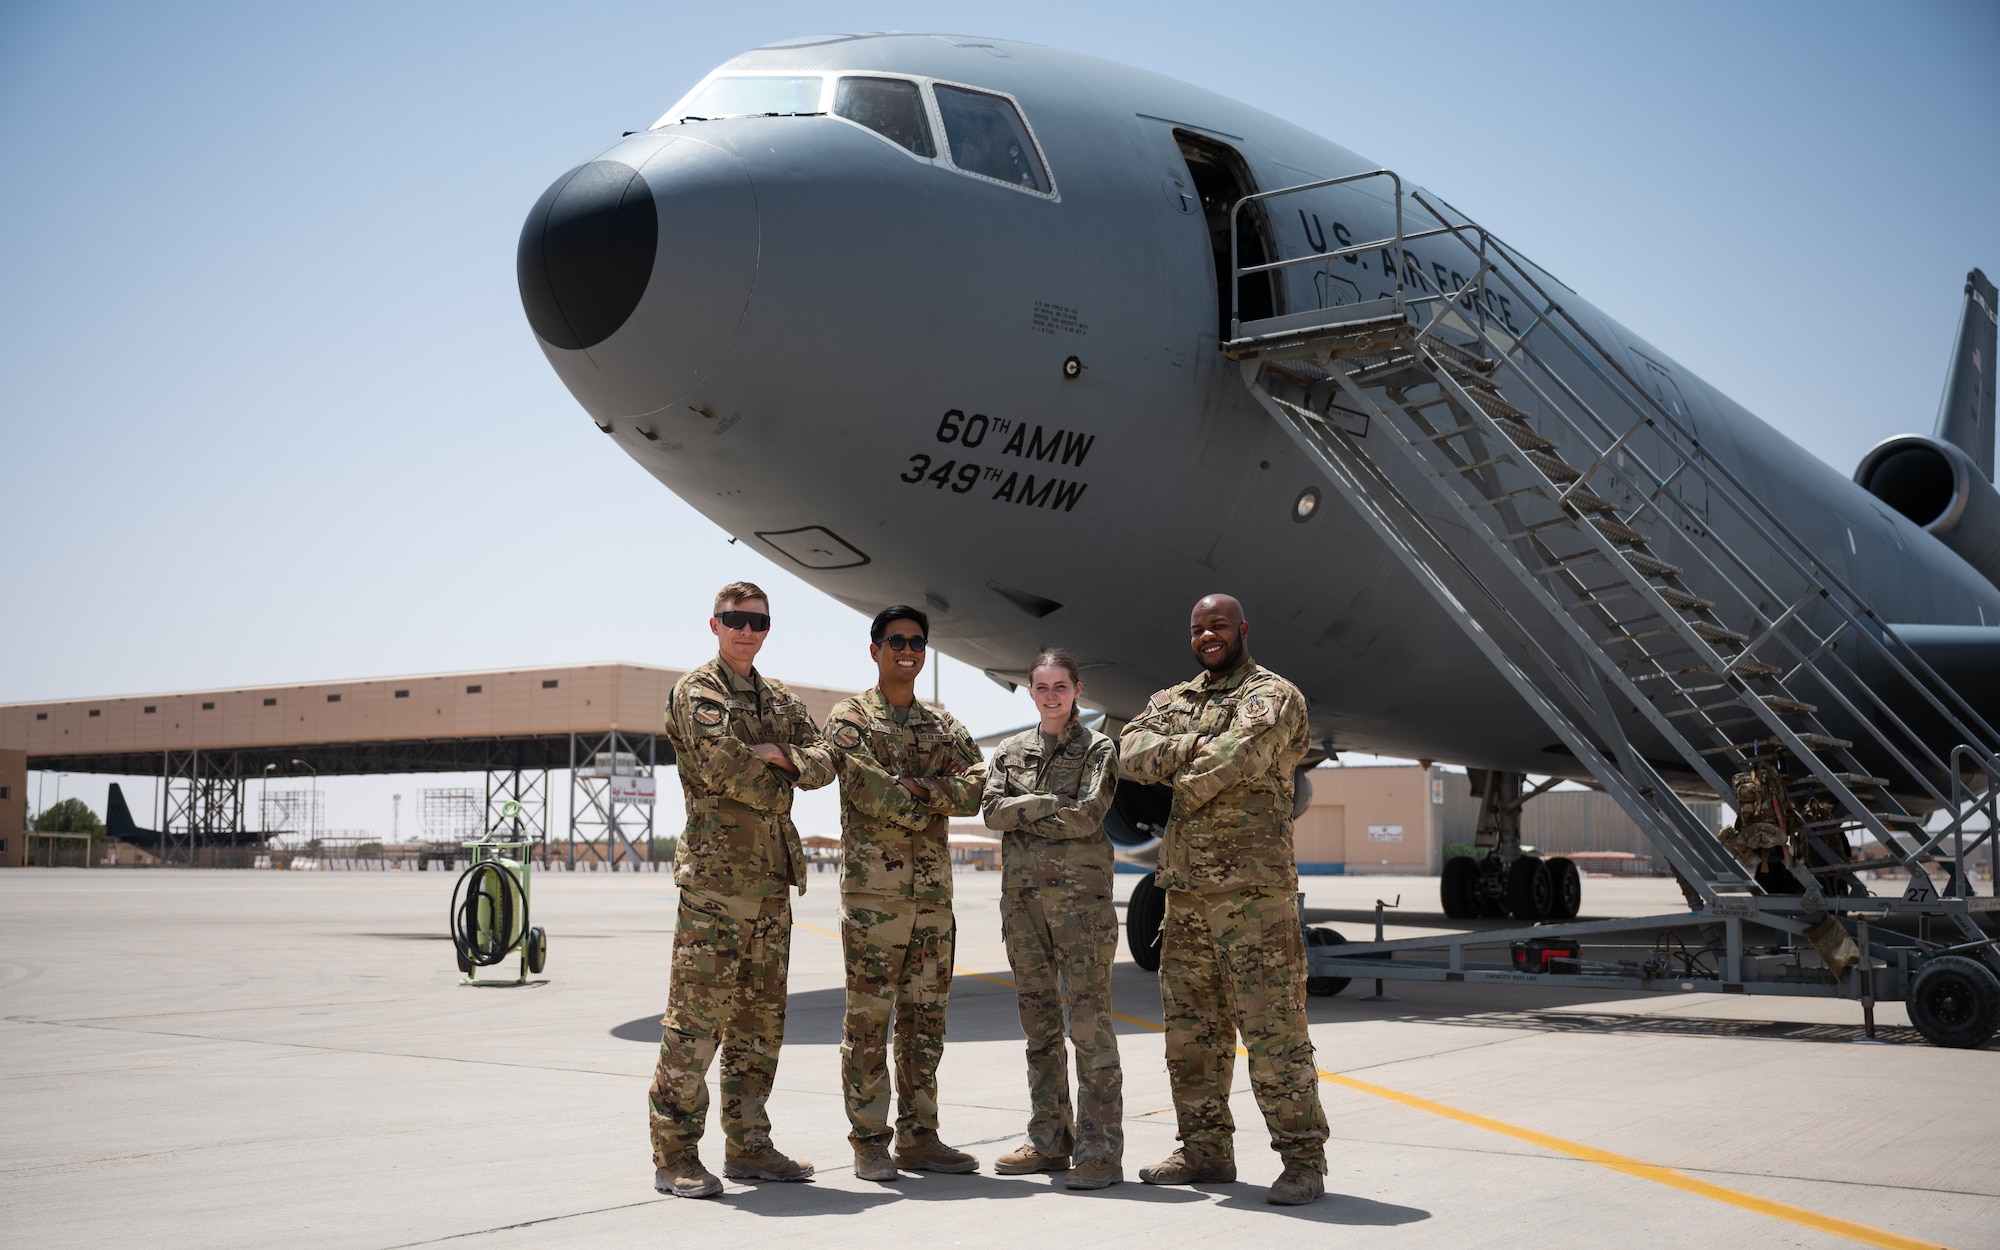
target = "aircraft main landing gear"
x: 1506, y: 881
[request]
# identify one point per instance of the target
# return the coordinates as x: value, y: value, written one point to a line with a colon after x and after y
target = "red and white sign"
x: 632, y: 789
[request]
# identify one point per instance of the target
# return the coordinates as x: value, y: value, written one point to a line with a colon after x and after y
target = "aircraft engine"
x: 1940, y: 488
x: 1137, y: 818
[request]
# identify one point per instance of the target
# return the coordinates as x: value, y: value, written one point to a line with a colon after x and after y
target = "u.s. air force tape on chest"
x: 1258, y: 709
x: 708, y: 714
x: 846, y: 735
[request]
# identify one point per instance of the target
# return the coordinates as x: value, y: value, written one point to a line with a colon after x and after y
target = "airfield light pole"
x: 315, y: 805
x: 264, y: 804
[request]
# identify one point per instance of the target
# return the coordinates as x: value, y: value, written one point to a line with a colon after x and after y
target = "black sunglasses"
x: 898, y: 642
x: 759, y: 622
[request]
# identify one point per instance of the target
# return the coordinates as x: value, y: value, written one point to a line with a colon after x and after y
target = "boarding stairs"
x: 1628, y: 585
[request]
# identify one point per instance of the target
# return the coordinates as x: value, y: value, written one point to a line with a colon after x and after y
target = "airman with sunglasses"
x: 905, y: 769
x: 744, y: 743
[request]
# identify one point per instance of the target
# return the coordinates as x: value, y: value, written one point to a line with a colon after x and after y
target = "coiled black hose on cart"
x: 489, y: 914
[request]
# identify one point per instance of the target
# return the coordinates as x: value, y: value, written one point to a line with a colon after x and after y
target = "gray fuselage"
x: 834, y: 329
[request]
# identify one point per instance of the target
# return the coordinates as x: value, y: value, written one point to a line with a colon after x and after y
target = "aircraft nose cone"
x: 636, y: 271
x: 586, y: 253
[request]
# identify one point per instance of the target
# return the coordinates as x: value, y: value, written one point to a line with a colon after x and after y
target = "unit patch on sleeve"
x: 846, y: 735
x: 708, y: 714
x: 1259, y: 709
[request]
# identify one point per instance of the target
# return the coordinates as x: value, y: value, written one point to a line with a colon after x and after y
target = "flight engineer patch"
x: 846, y: 735
x: 708, y: 713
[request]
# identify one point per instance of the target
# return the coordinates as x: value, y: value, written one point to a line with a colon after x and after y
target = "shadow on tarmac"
x: 980, y: 1011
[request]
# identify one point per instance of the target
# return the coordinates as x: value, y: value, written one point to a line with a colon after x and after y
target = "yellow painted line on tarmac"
x: 1673, y: 1178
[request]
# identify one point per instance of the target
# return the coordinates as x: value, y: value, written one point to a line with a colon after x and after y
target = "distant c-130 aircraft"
x: 1053, y: 347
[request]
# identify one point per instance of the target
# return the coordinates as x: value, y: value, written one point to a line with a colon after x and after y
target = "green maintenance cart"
x: 489, y: 907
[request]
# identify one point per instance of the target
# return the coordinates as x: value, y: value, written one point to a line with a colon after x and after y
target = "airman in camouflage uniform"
x: 1232, y: 954
x: 1047, y: 799
x: 905, y: 769
x: 744, y: 743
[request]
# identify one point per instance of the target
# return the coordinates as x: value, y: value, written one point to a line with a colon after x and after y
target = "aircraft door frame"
x: 1690, y: 487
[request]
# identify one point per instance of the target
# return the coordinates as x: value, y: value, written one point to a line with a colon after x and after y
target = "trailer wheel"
x: 1565, y: 889
x: 1324, y: 987
x: 1458, y: 889
x: 536, y: 952
x: 1145, y: 911
x: 1529, y: 891
x: 1955, y: 1001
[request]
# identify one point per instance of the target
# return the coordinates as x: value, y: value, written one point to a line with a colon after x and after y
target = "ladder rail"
x: 1812, y: 568
x: 1679, y: 850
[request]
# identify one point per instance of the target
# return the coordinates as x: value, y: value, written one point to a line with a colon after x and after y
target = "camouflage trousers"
x: 728, y: 992
x: 899, y: 954
x: 1236, y: 963
x: 1060, y: 943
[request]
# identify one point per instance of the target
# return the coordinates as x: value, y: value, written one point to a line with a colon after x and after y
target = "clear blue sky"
x: 269, y: 409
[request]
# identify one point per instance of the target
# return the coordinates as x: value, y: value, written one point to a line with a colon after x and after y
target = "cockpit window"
x: 761, y: 96
x: 891, y: 107
x: 987, y: 137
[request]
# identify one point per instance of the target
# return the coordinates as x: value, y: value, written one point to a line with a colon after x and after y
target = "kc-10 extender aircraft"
x: 1055, y: 346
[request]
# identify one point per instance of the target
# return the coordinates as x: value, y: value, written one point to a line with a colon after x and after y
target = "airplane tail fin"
x: 118, y: 818
x: 1965, y: 417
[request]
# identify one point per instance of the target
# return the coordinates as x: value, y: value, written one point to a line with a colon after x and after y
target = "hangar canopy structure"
x: 599, y: 722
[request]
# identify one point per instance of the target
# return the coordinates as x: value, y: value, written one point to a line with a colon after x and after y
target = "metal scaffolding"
x: 203, y: 796
x: 611, y: 792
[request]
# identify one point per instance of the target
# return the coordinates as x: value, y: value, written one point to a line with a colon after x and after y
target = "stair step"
x: 1554, y: 468
x: 1753, y: 668
x: 1651, y: 567
x: 1704, y: 709
x: 1494, y: 406
x: 1523, y: 437
x: 1618, y: 532
x: 1584, y: 501
x: 1819, y: 742
x: 1779, y: 704
x: 1716, y: 633
x: 1849, y: 780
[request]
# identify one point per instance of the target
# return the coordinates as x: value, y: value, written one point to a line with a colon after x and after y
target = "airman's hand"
x: 774, y: 755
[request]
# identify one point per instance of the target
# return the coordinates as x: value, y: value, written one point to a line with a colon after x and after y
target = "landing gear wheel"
x: 1458, y: 890
x: 1955, y: 1001
x: 1145, y: 912
x: 536, y: 949
x: 1324, y: 987
x: 1565, y: 889
x: 1529, y: 890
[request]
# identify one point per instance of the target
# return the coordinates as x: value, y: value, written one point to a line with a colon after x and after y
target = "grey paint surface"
x: 890, y: 291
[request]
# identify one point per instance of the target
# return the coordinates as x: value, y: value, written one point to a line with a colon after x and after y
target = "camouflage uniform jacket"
x: 890, y: 841
x: 740, y: 839
x: 1231, y: 823
x: 1049, y: 807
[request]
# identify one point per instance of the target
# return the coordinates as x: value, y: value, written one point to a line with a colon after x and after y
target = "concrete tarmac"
x: 223, y: 1059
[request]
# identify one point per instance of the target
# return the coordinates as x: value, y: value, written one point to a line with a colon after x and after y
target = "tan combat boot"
x: 923, y: 1152
x: 766, y: 1163
x: 872, y: 1163
x: 1184, y: 1167
x: 683, y: 1176
x: 1299, y: 1184
x: 1093, y: 1174
x: 1024, y: 1159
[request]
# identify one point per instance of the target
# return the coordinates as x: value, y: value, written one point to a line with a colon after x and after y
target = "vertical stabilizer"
x: 1965, y: 418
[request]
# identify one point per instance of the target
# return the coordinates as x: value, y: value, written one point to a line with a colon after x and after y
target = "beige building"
x: 13, y: 807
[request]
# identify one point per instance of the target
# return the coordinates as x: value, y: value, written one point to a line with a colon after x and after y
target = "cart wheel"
x: 1955, y: 1001
x: 1458, y: 889
x: 1565, y: 889
x: 1324, y: 987
x: 536, y: 951
x: 1145, y: 911
x: 1529, y: 891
